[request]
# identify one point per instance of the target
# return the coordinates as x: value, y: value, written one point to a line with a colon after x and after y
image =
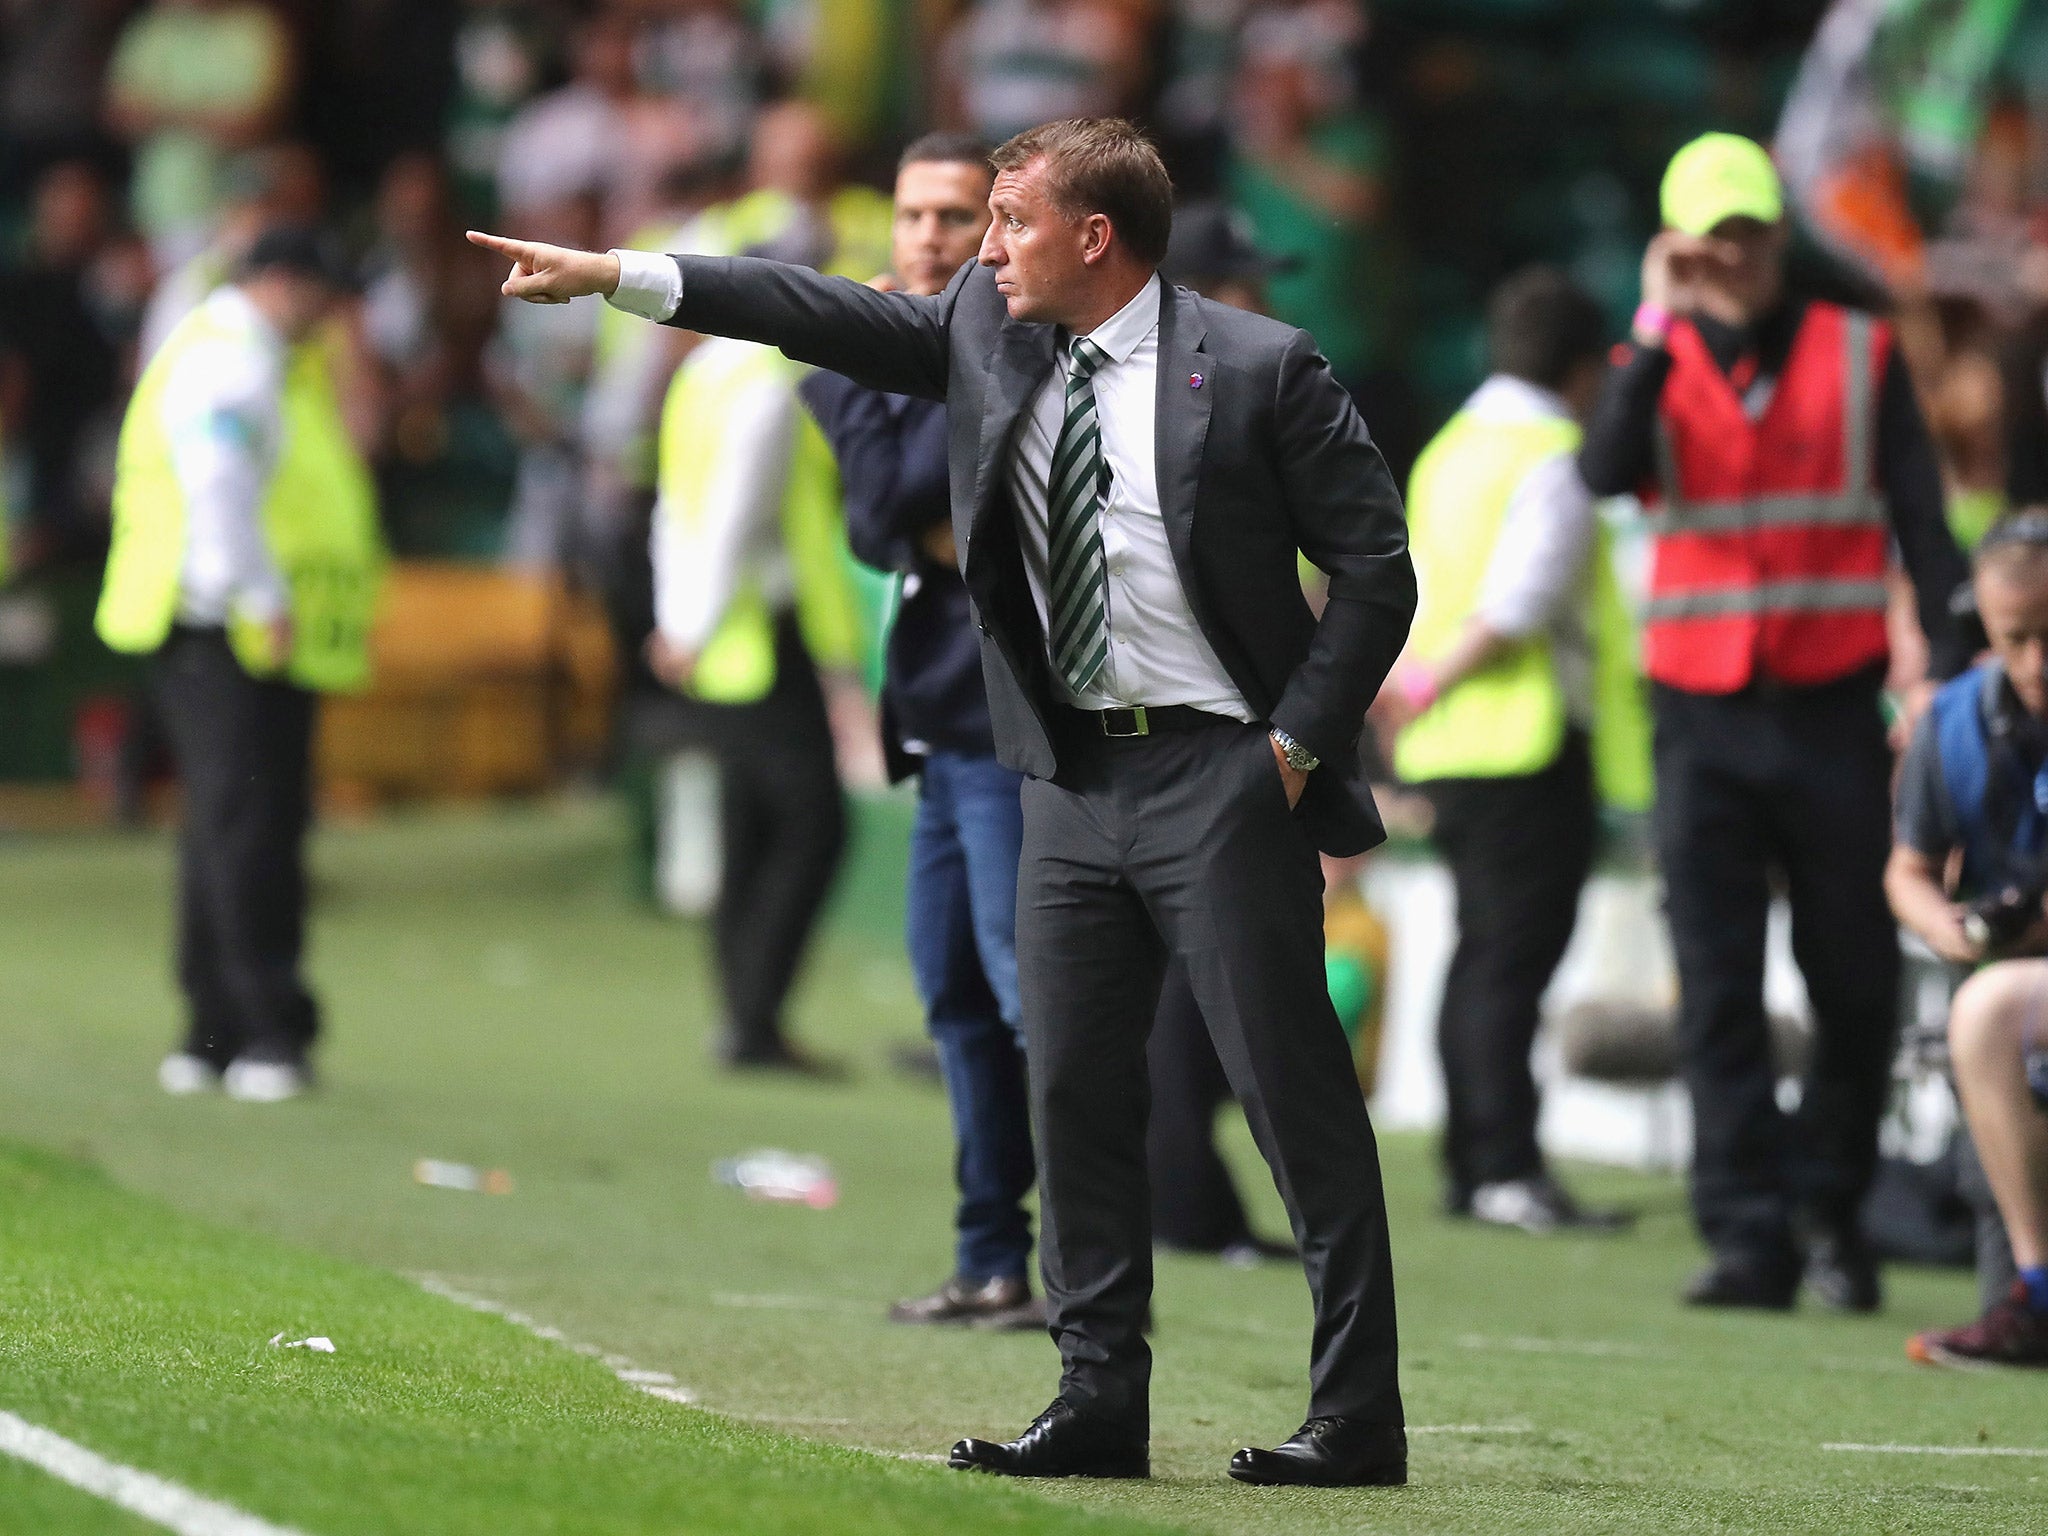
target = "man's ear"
x: 1097, y: 234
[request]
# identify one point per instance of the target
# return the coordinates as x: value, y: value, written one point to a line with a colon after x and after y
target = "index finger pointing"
x: 516, y: 249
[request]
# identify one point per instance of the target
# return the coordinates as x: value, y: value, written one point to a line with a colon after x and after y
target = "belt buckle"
x: 1140, y: 725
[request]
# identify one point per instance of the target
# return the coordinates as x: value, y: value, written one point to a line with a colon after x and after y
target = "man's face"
x: 2012, y: 600
x: 941, y: 216
x: 1749, y: 268
x: 303, y: 302
x: 1037, y: 251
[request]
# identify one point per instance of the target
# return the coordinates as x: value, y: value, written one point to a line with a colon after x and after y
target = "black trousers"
x: 783, y: 830
x: 1195, y: 1204
x: 1519, y: 850
x: 1183, y: 842
x: 1793, y: 782
x: 244, y: 754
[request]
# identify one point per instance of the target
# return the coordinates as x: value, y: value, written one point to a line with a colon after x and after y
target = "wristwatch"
x: 1299, y: 758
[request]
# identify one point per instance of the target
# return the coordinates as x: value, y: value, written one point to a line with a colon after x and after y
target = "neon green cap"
x: 1721, y: 176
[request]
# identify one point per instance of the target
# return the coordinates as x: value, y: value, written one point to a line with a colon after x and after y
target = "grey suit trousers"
x: 1183, y: 842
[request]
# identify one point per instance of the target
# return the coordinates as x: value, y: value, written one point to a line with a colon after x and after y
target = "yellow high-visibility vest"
x: 319, y: 520
x: 860, y: 217
x: 1508, y: 718
x: 737, y: 665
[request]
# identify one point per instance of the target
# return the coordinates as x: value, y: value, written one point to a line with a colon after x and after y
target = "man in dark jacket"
x: 1135, y: 474
x: 962, y: 890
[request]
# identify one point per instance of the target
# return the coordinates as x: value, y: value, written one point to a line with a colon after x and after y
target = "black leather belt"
x: 1146, y: 720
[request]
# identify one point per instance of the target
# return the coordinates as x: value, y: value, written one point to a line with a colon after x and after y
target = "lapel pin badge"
x: 1194, y: 381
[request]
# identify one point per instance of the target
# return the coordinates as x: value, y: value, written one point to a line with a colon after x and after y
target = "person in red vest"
x: 1779, y: 452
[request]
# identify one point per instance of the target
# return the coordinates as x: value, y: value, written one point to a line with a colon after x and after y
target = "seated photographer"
x: 1968, y: 874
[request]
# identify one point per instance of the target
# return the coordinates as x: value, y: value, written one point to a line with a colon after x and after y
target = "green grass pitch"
x: 494, y: 998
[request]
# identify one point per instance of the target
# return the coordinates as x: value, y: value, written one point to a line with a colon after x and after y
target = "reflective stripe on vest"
x: 1825, y: 595
x: 319, y: 521
x: 737, y: 664
x: 1771, y: 538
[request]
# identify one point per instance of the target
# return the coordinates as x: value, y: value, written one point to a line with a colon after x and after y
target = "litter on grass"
x: 320, y: 1344
x: 786, y: 1177
x: 476, y: 1181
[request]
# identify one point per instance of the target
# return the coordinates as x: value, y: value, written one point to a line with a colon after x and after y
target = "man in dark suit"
x: 1133, y: 472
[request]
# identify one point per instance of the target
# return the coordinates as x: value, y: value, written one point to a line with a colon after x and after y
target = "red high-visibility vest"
x: 1771, y: 537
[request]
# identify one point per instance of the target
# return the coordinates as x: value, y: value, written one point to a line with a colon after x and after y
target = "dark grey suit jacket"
x: 1265, y: 458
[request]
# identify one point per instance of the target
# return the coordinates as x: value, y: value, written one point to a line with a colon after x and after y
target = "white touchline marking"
x: 869, y: 1450
x: 654, y: 1383
x: 1938, y: 1450
x: 681, y: 1395
x: 154, y: 1498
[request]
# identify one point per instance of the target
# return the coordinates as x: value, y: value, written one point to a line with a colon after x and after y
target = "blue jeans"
x: 962, y: 903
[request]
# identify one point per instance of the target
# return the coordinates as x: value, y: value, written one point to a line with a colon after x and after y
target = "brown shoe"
x: 983, y: 1303
x: 2010, y: 1333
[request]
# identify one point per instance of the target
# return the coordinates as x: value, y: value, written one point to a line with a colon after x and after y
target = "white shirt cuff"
x: 650, y: 285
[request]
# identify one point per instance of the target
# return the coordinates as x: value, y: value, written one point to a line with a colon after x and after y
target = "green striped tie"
x: 1074, y: 494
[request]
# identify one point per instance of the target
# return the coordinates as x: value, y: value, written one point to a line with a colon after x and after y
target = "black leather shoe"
x: 961, y: 1300
x: 1330, y: 1453
x: 1735, y: 1280
x: 1842, y: 1271
x: 1061, y: 1442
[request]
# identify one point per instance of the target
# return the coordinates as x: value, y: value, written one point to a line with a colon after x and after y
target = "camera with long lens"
x: 2002, y: 918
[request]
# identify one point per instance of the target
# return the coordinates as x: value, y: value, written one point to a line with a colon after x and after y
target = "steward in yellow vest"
x: 244, y: 563
x: 1520, y: 655
x: 318, y: 520
x: 752, y: 597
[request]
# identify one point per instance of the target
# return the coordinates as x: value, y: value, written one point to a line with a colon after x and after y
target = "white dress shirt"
x: 650, y: 285
x: 1539, y: 577
x: 1157, y: 653
x: 221, y: 413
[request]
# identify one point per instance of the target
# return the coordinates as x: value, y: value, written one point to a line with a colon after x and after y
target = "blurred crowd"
x: 142, y: 144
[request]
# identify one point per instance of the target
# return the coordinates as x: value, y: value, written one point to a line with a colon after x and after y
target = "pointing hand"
x: 551, y: 274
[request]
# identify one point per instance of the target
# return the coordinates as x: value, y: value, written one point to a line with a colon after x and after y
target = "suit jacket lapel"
x: 1182, y: 428
x: 1023, y: 357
